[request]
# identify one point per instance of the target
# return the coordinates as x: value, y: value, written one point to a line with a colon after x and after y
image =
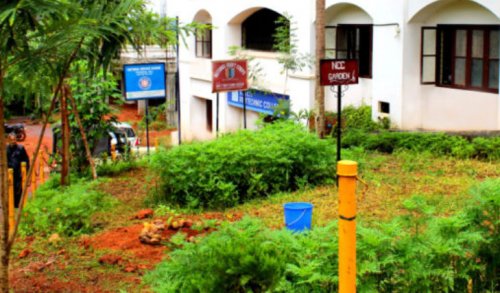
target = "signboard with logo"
x: 144, y: 81
x: 229, y: 75
x: 258, y: 101
x: 338, y: 72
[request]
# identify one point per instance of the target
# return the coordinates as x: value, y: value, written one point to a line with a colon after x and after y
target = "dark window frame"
x: 442, y: 56
x: 203, y: 40
x: 353, y: 50
x: 258, y: 29
x: 209, y: 114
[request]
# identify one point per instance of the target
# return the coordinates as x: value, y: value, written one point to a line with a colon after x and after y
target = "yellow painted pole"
x: 113, y: 152
x: 42, y: 168
x: 347, y: 172
x: 156, y: 143
x: 23, y: 179
x: 33, y: 181
x: 11, y: 201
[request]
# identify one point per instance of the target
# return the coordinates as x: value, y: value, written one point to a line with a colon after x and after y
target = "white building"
x: 427, y: 64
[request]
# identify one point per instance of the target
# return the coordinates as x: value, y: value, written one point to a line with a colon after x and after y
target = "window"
x: 209, y: 115
x: 466, y: 56
x: 351, y: 41
x: 203, y: 43
x: 258, y: 30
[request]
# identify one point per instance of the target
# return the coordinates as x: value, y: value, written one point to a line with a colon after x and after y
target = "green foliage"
x: 245, y: 257
x: 436, y: 143
x: 66, y: 211
x: 116, y: 168
x: 285, y: 42
x: 416, y: 252
x: 91, y: 94
x: 359, y: 118
x: 244, y: 165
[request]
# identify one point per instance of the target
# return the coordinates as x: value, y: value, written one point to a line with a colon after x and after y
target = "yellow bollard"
x: 23, y: 178
x: 113, y: 152
x: 347, y: 172
x: 41, y: 166
x: 11, y: 201
x: 156, y: 143
x: 33, y: 181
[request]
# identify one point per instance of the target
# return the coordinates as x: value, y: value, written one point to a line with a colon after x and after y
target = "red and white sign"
x: 338, y: 72
x: 229, y: 75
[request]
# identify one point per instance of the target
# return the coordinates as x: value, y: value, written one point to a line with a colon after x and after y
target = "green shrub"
x: 244, y: 257
x: 415, y: 252
x: 115, y: 168
x: 436, y: 143
x: 242, y: 166
x: 66, y: 211
x: 360, y: 118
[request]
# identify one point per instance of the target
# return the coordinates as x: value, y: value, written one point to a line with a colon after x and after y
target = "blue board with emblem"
x: 144, y: 81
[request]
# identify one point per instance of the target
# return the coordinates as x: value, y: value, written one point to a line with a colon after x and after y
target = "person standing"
x: 16, y: 154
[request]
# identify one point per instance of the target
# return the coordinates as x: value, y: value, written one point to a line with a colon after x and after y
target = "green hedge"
x: 416, y: 252
x: 436, y: 143
x: 241, y: 166
x: 66, y: 211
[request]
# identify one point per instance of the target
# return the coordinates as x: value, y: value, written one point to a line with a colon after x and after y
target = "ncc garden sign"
x: 338, y: 72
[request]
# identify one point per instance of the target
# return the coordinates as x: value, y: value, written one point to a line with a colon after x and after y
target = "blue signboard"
x: 258, y: 101
x: 144, y: 81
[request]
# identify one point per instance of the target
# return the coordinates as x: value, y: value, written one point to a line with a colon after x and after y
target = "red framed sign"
x: 338, y: 72
x: 229, y: 75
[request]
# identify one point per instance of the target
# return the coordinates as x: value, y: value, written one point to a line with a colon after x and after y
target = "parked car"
x: 115, y: 137
x: 132, y: 138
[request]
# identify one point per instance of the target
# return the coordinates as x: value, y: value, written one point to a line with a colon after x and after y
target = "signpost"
x: 338, y: 72
x: 143, y: 82
x: 229, y: 75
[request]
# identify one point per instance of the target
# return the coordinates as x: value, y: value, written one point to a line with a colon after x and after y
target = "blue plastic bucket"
x: 298, y: 216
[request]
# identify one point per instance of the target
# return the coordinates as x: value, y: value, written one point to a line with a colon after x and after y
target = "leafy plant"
x: 237, y: 258
x: 457, y: 253
x: 66, y: 211
x: 242, y: 166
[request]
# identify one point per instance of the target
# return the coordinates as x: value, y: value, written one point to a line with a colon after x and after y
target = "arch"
x: 243, y: 15
x: 454, y: 7
x: 347, y: 13
x: 202, y: 16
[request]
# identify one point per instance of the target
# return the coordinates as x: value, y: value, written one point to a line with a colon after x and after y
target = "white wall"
x: 395, y: 67
x: 436, y: 108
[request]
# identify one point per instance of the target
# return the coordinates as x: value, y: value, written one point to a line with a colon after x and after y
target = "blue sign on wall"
x: 258, y: 101
x: 144, y: 81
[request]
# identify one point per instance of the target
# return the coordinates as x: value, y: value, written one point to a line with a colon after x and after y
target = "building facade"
x: 425, y: 64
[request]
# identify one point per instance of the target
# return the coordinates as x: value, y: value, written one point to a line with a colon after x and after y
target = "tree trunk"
x: 320, y: 54
x: 4, y: 192
x: 64, y: 137
x: 84, y: 136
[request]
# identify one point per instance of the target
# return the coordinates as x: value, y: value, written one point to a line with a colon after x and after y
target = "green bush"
x: 66, y: 211
x: 237, y: 167
x: 436, y: 143
x: 244, y: 257
x: 415, y: 252
x: 360, y: 118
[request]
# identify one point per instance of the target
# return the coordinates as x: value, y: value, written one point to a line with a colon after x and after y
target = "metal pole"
x: 147, y: 124
x: 347, y: 172
x: 177, y: 89
x: 217, y: 115
x: 244, y: 109
x: 339, y: 120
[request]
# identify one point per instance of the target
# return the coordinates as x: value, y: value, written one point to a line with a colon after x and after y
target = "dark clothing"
x: 16, y: 154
